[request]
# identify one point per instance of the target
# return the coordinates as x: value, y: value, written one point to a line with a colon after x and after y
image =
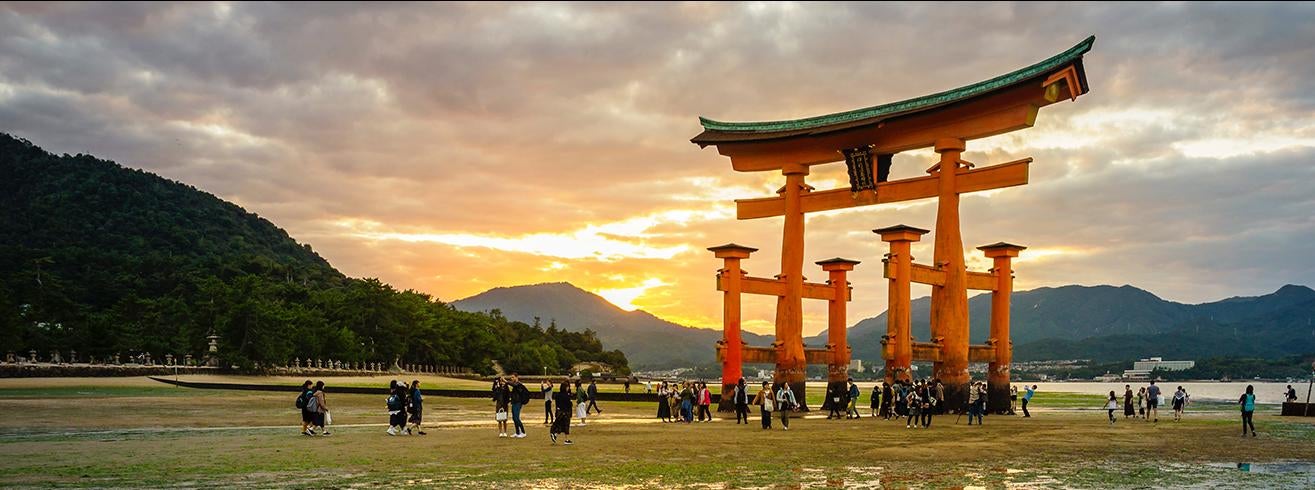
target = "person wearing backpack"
x: 1248, y: 403
x: 766, y: 404
x: 520, y: 395
x: 785, y: 402
x: 320, y: 408
x: 307, y: 417
x: 854, y: 393
x: 396, y: 404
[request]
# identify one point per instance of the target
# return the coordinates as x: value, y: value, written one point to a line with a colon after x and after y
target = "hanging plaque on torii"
x: 866, y: 140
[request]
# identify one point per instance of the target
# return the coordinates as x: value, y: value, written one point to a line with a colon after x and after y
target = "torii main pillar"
x: 949, y: 303
x: 791, y: 365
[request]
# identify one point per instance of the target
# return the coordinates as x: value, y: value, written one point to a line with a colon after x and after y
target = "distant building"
x: 1142, y: 369
x: 856, y: 365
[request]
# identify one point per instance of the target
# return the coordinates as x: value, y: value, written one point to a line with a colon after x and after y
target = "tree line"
x: 102, y: 259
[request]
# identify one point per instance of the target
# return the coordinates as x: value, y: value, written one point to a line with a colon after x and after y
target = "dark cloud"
x: 512, y: 119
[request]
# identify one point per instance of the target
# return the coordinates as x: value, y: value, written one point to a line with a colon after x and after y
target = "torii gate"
x: 943, y: 121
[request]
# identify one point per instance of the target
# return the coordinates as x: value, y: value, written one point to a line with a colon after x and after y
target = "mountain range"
x: 647, y: 340
x: 1104, y: 323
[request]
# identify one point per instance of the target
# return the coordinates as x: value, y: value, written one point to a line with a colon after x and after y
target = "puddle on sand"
x: 1275, y: 468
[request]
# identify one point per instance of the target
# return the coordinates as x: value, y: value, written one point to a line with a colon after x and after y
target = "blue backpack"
x: 304, y: 398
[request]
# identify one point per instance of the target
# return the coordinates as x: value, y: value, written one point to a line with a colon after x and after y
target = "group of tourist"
x: 682, y: 402
x: 314, y: 409
x: 1146, y: 402
x: 914, y: 402
x: 565, y: 403
x: 405, y: 408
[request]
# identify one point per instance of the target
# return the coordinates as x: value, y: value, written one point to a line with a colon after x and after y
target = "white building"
x: 1142, y: 369
x: 1159, y: 363
x: 856, y: 365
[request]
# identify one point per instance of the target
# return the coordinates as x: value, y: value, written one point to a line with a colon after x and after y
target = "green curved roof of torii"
x: 906, y: 106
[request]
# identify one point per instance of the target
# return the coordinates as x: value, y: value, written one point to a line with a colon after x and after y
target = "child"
x: 1111, y: 405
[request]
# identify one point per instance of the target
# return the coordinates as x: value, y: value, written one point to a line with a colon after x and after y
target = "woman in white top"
x: 1111, y: 405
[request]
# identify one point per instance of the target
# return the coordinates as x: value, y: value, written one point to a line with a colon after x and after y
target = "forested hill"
x: 104, y: 259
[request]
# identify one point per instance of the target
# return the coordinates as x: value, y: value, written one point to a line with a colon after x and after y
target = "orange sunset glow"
x: 471, y: 146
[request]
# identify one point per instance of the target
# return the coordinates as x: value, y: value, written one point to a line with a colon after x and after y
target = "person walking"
x: 396, y: 404
x: 766, y: 403
x: 1290, y: 395
x: 833, y: 401
x: 914, y: 406
x: 705, y: 402
x: 520, y: 396
x: 561, y: 423
x: 501, y: 405
x: 687, y: 402
x: 1153, y: 402
x: 581, y: 403
x: 741, y: 400
x: 416, y: 409
x: 874, y: 400
x: 303, y: 403
x: 1179, y: 403
x: 1026, y: 398
x: 928, y: 405
x: 1127, y: 401
x: 1141, y: 402
x: 321, y: 409
x: 982, y: 398
x: 545, y: 388
x: 593, y: 398
x: 627, y: 386
x: 854, y: 394
x: 887, y: 400
x: 785, y: 403
x: 1113, y: 404
x: 972, y: 403
x: 1248, y: 404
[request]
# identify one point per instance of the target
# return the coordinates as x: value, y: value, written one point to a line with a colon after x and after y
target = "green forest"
x: 103, y: 259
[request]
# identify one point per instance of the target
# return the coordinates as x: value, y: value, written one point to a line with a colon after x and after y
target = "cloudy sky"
x: 457, y: 147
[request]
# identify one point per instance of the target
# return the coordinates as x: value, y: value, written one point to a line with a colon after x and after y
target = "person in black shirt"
x: 741, y: 399
x: 520, y: 395
x: 593, y: 398
x: 561, y: 424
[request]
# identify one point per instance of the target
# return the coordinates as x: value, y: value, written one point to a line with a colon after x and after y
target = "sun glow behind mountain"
x: 624, y: 297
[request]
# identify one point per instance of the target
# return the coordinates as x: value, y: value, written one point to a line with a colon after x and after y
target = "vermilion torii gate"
x: 866, y: 140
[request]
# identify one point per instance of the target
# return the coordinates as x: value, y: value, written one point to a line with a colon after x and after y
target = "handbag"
x: 501, y: 416
x: 328, y: 418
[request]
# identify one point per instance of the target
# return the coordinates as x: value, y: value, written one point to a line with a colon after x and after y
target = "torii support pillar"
x: 837, y: 372
x: 949, y: 302
x: 898, y: 316
x: 732, y: 344
x: 997, y: 378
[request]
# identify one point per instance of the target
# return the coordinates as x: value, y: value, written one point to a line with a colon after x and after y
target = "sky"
x: 452, y: 148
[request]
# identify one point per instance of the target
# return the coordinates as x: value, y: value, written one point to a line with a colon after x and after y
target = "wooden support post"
x: 732, y: 343
x: 790, y: 361
x: 838, y: 345
x: 997, y: 378
x: 898, y: 316
x: 949, y: 303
